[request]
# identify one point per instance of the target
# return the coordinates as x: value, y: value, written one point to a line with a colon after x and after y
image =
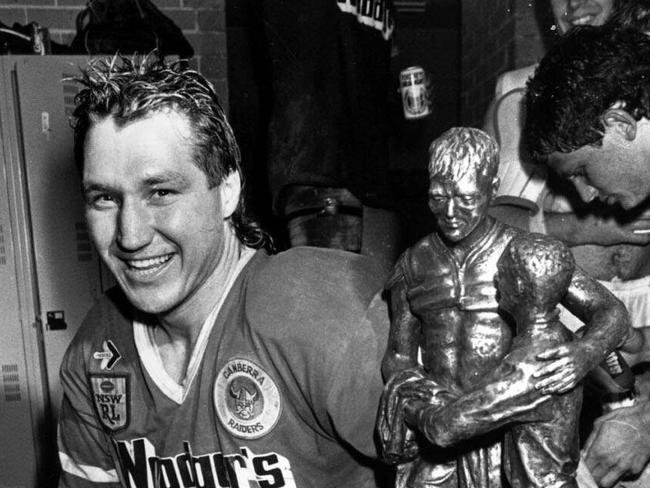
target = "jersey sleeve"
x: 84, y: 447
x: 356, y: 383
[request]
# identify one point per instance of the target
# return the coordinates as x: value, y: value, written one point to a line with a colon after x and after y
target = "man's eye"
x: 577, y: 173
x: 577, y: 179
x: 102, y: 200
x: 468, y: 200
x: 162, y: 193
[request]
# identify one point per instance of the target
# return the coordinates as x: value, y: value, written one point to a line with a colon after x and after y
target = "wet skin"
x: 571, y: 13
x: 617, y: 172
x: 152, y: 216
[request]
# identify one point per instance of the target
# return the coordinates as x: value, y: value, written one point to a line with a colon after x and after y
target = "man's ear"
x: 519, y: 285
x: 230, y: 189
x: 494, y: 186
x: 621, y: 122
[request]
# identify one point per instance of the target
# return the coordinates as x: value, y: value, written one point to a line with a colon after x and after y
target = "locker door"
x: 21, y: 386
x: 67, y: 269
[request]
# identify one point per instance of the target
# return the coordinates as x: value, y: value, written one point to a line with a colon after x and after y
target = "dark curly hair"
x: 631, y: 13
x: 585, y: 73
x: 129, y: 89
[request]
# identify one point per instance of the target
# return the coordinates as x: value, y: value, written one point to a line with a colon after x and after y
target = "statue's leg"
x: 481, y: 468
x: 546, y: 454
x: 424, y: 473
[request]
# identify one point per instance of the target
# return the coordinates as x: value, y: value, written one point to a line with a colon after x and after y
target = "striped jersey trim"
x: 90, y: 473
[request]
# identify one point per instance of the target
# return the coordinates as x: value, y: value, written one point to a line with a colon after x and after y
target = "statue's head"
x: 463, y: 164
x: 535, y: 270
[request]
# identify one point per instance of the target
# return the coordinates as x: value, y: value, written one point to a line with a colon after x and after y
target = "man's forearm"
x: 494, y: 404
x: 606, y: 318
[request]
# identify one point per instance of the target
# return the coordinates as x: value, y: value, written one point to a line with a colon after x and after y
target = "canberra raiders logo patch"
x: 246, y: 398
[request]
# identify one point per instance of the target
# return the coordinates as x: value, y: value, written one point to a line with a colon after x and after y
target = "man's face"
x: 570, y: 13
x: 153, y: 219
x: 459, y: 206
x: 616, y: 172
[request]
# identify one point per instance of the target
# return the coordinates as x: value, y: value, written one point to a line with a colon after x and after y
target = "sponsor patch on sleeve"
x: 109, y: 355
x: 247, y: 399
x: 111, y: 400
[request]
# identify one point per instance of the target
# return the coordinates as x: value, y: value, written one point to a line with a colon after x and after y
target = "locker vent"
x: 11, y: 382
x: 84, y: 247
x: 3, y: 251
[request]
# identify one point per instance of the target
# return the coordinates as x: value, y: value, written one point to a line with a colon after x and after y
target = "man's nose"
x: 574, y: 4
x: 134, y: 226
x: 585, y: 190
x: 450, y: 208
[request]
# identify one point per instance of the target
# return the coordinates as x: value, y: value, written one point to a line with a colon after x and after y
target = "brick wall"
x: 202, y: 22
x: 497, y: 36
x: 534, y: 31
x: 487, y: 47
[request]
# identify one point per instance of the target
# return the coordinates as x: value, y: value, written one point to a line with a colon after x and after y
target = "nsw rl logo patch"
x: 111, y: 399
x: 246, y: 399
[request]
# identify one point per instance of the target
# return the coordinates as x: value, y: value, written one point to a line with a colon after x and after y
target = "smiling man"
x: 573, y: 13
x: 587, y: 113
x: 229, y: 367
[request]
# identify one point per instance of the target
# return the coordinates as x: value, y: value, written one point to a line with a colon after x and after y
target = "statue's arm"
x: 403, y: 339
x: 605, y: 317
x: 607, y: 326
x: 505, y: 396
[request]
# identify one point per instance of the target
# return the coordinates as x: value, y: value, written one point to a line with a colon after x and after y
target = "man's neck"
x: 534, y: 319
x: 177, y: 331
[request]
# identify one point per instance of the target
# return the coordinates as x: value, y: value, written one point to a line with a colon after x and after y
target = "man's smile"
x: 147, y: 266
x: 583, y: 20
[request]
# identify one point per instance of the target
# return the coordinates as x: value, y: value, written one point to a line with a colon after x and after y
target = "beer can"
x: 413, y: 87
x: 40, y: 38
